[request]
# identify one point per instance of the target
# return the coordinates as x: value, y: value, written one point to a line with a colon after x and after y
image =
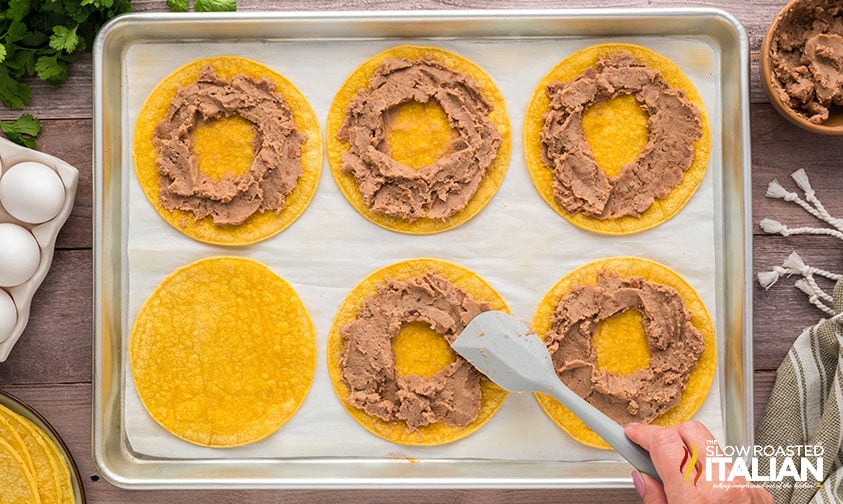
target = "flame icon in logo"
x: 690, y: 459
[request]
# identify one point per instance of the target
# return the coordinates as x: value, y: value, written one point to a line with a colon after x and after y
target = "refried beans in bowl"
x: 802, y: 64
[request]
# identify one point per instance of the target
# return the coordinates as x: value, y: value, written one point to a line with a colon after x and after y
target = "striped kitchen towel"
x: 806, y: 403
x: 806, y: 409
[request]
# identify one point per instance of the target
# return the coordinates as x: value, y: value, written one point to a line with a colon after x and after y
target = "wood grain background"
x: 51, y: 365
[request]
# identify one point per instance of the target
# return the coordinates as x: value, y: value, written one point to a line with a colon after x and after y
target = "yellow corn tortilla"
x: 223, y: 352
x: 11, y: 435
x: 225, y: 146
x: 421, y: 133
x: 49, y: 470
x: 44, y: 464
x: 44, y: 473
x: 622, y: 342
x: 418, y: 350
x: 616, y: 131
x: 65, y: 484
x: 18, y: 483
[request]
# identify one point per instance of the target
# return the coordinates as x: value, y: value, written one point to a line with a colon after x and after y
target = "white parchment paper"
x: 517, y: 243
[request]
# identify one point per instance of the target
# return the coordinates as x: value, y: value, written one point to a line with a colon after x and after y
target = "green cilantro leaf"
x: 13, y: 93
x: 17, y: 31
x: 64, y: 39
x: 22, y: 131
x: 177, y: 5
x: 215, y: 5
x: 20, y: 61
x: 39, y: 38
x: 51, y: 69
x: 25, y: 124
x: 17, y: 9
x: 99, y: 4
x: 35, y: 38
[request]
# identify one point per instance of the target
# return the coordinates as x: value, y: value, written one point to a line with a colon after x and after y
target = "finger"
x: 651, y: 490
x: 697, y: 433
x: 642, y: 434
x: 666, y: 447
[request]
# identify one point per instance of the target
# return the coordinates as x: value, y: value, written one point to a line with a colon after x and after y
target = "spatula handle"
x: 607, y: 429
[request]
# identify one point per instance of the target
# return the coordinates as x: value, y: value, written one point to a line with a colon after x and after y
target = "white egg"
x: 31, y: 192
x: 8, y: 315
x: 19, y: 255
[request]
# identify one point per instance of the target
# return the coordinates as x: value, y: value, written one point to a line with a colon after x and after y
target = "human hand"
x: 668, y: 446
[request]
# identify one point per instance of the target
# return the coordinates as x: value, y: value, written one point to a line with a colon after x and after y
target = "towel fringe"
x: 768, y: 278
x: 776, y: 190
x: 793, y: 264
x: 771, y: 226
x: 801, y: 179
x: 813, y: 296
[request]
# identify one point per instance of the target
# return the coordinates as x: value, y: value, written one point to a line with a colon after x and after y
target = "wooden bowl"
x: 834, y: 124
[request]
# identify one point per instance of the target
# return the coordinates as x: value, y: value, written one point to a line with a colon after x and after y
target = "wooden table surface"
x: 51, y: 365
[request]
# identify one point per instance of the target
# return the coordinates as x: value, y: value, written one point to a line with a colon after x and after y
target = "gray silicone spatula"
x: 512, y: 355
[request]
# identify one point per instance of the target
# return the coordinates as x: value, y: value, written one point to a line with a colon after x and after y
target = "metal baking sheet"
x: 316, y: 51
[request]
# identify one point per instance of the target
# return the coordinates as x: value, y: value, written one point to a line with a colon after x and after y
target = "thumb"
x: 650, y: 490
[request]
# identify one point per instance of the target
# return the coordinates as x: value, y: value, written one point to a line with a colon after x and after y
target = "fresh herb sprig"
x: 39, y: 38
x: 22, y: 131
x: 203, y: 5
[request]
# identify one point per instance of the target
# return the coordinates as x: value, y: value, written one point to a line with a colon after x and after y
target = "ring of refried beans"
x: 275, y: 168
x: 438, y: 190
x: 674, y: 125
x: 367, y: 364
x: 675, y: 346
